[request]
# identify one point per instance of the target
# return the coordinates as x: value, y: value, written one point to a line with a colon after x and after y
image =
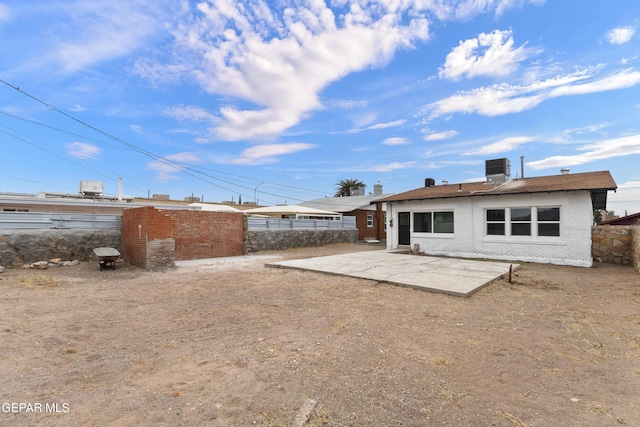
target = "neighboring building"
x: 91, y: 200
x: 542, y: 219
x: 292, y: 212
x: 632, y: 219
x: 370, y: 217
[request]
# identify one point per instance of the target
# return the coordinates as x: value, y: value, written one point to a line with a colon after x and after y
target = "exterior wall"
x: 147, y: 238
x: 153, y: 238
x: 203, y: 234
x: 635, y: 244
x: 470, y: 240
x: 364, y: 231
x: 281, y: 239
x: 19, y: 247
x: 614, y: 244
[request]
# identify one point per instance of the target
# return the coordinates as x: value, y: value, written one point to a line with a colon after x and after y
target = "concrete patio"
x: 459, y: 277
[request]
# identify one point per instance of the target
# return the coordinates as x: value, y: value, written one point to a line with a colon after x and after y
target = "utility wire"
x: 179, y: 167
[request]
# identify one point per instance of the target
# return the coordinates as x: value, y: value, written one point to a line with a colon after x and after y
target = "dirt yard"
x: 239, y: 344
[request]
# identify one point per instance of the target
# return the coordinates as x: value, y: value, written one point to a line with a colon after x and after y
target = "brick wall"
x: 153, y: 238
x: 366, y: 232
x: 615, y: 244
x: 147, y: 238
x: 202, y: 234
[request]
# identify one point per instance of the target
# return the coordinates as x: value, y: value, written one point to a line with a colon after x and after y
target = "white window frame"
x: 369, y: 220
x: 535, y: 222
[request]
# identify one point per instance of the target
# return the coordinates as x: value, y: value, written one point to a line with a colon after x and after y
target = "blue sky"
x: 277, y: 101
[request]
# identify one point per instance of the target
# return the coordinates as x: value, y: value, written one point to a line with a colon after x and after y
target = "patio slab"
x: 454, y: 276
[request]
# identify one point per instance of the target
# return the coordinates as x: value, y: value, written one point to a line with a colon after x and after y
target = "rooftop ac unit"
x: 497, y: 170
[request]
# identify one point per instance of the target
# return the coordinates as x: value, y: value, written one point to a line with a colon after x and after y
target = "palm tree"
x: 343, y: 187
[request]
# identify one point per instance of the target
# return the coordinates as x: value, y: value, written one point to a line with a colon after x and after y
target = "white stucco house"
x: 541, y: 219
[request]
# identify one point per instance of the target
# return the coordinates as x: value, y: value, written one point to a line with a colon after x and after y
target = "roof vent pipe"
x: 565, y: 171
x: 522, y: 166
x: 445, y: 182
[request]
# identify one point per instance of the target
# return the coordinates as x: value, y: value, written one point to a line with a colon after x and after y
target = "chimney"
x: 377, y: 189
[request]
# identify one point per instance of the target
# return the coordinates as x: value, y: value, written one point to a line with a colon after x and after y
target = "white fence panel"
x: 45, y: 221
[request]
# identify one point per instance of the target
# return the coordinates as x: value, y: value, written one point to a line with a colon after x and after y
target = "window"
x: 443, y: 222
x: 495, y: 222
x: 433, y: 222
x: 422, y: 222
x: 521, y: 222
x: 536, y: 222
x: 369, y: 220
x: 549, y: 222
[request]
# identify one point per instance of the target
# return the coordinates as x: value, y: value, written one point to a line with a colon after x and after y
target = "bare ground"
x: 238, y: 344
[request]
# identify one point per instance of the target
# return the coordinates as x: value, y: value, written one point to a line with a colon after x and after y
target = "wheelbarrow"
x: 107, y: 257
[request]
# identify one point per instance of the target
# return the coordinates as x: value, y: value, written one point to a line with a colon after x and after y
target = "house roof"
x: 289, y: 210
x: 623, y: 220
x: 214, y: 207
x: 343, y: 204
x: 592, y: 181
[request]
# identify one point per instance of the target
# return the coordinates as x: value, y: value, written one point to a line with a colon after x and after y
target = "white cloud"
x: 377, y: 126
x: 490, y: 54
x: 387, y: 125
x: 503, y: 146
x: 82, y: 150
x: 506, y: 99
x: 439, y: 136
x: 626, y: 199
x: 620, y: 35
x: 389, y: 167
x: 235, y: 48
x: 5, y: 13
x: 396, y: 141
x: 267, y: 153
x: 98, y: 31
x: 189, y: 113
x: 169, y: 165
x: 624, y: 146
x: 466, y: 9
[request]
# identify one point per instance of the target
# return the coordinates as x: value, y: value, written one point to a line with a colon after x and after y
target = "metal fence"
x: 44, y: 221
x: 301, y: 224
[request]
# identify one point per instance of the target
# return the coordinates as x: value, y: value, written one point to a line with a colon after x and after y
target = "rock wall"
x: 19, y: 247
x: 267, y: 240
x: 615, y: 244
x: 635, y: 242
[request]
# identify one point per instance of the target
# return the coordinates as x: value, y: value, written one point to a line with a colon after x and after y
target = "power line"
x: 179, y: 167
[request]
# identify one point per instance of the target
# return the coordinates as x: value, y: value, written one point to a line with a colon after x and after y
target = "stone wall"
x: 19, y: 247
x: 635, y: 244
x: 615, y: 244
x: 266, y: 240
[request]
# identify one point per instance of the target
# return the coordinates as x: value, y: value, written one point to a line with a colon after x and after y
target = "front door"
x: 404, y: 228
